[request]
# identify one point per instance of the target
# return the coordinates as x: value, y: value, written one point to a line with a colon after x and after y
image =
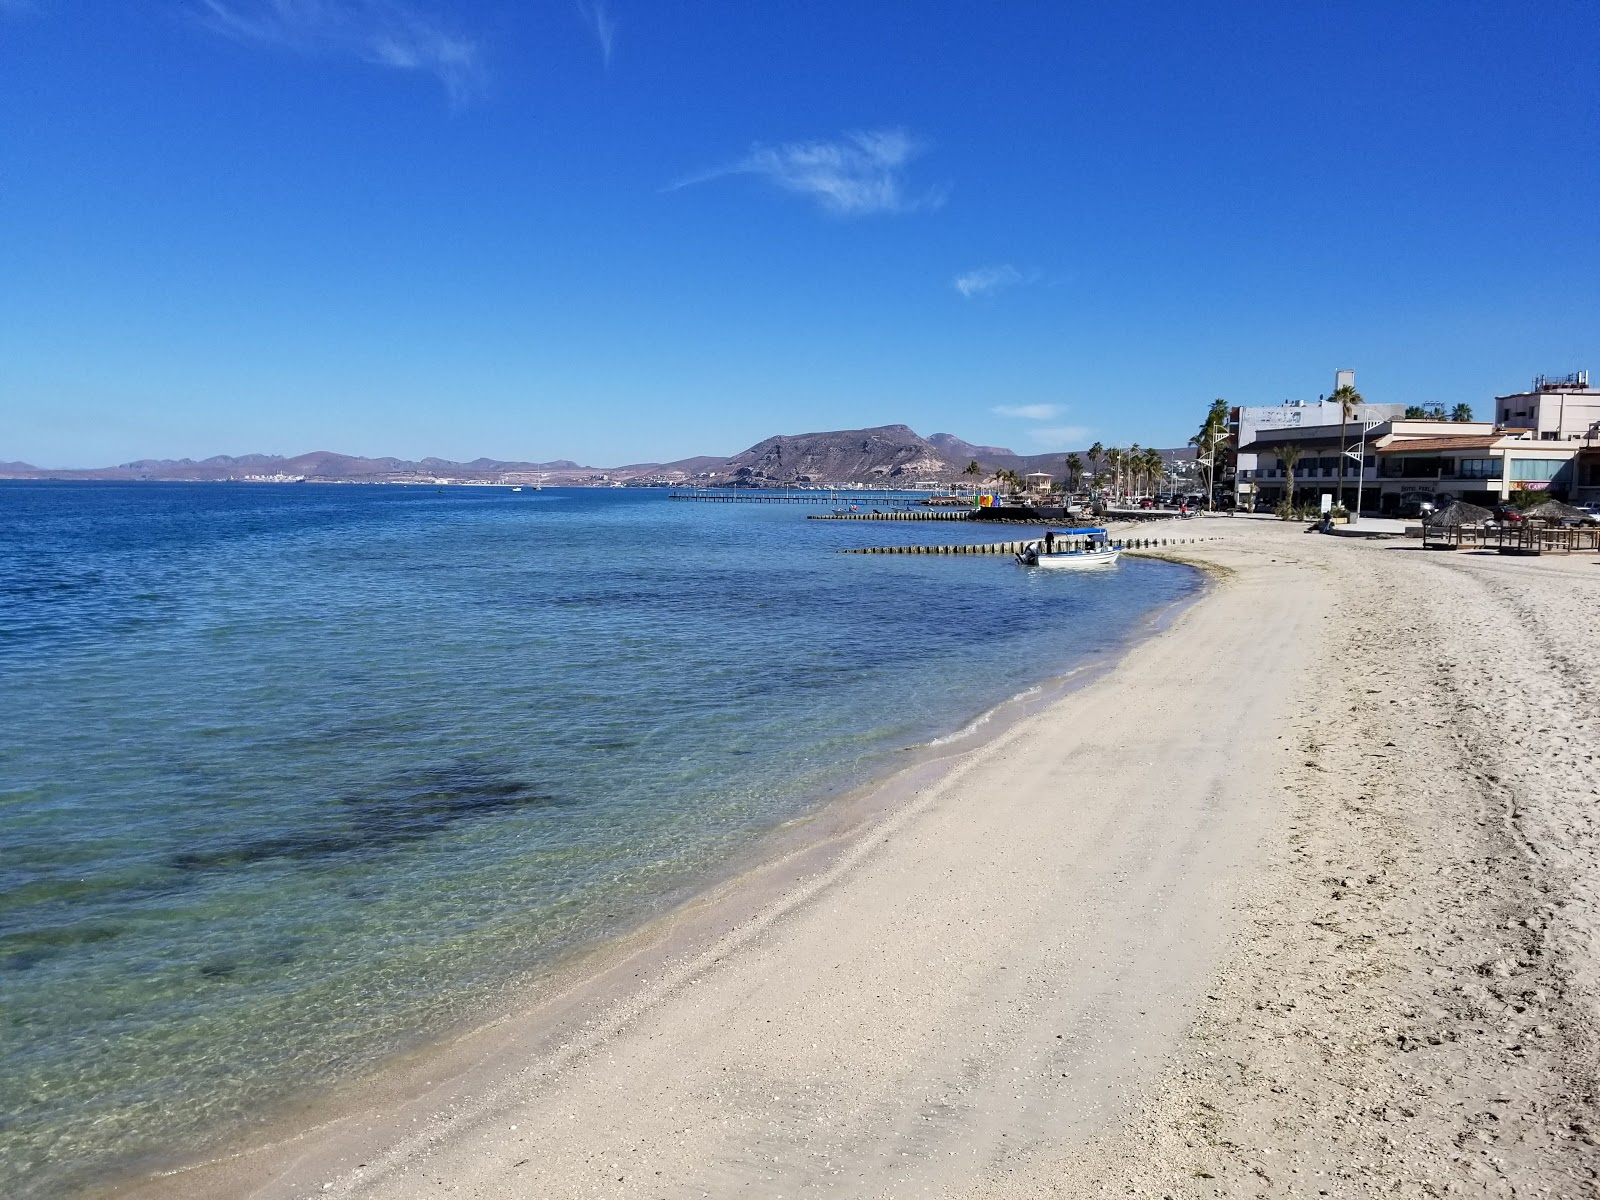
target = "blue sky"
x: 617, y: 231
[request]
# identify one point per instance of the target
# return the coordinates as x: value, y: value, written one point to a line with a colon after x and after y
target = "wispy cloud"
x: 1060, y: 437
x: 597, y: 16
x: 985, y: 281
x: 386, y: 33
x: 1028, y: 412
x: 855, y: 175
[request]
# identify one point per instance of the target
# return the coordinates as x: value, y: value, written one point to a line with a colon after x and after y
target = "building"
x: 1037, y: 483
x: 1543, y: 440
x: 1249, y: 424
x: 1586, y: 472
x: 1556, y: 409
x: 1462, y: 460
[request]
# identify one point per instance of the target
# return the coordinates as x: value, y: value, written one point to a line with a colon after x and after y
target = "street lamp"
x: 1361, y: 467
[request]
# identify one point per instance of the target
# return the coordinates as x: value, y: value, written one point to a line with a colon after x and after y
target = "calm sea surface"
x: 292, y: 775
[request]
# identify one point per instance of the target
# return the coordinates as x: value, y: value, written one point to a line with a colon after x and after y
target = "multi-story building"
x: 1250, y: 423
x: 1543, y: 440
x: 1465, y: 460
x: 1563, y: 409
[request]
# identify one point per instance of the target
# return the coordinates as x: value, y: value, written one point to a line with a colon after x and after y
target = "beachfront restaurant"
x: 1483, y: 470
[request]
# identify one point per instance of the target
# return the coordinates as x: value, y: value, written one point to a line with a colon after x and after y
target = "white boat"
x: 1069, y: 549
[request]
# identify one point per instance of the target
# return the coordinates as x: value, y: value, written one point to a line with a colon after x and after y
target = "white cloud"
x: 855, y: 175
x: 1061, y: 436
x: 386, y: 33
x: 1028, y: 412
x: 986, y: 280
x: 597, y: 16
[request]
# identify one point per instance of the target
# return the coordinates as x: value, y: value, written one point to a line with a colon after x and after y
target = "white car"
x: 1591, y: 513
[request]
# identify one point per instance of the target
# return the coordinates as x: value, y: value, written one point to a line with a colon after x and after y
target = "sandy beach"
x: 1300, y: 898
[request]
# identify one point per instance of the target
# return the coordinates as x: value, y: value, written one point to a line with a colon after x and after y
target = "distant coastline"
x: 889, y: 455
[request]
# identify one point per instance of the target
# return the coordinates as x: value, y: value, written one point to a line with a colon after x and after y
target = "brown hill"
x: 887, y: 454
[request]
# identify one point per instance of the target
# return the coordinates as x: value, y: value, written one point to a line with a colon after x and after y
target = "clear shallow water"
x: 291, y: 775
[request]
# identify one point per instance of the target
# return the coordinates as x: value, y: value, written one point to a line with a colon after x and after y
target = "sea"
x: 294, y: 778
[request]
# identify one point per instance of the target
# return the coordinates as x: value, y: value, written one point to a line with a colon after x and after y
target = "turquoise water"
x: 291, y: 776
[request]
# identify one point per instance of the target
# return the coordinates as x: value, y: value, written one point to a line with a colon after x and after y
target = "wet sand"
x: 1298, y: 898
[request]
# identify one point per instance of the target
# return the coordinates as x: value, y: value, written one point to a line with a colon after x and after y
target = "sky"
x: 618, y: 231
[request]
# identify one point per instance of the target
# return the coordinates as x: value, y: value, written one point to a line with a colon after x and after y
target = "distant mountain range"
x: 891, y: 455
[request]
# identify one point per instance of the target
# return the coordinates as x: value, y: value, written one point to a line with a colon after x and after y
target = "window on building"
x: 1407, y: 467
x: 1478, y: 468
x: 1535, y: 469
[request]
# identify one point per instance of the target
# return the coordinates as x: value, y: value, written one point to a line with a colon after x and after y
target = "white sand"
x: 1300, y: 898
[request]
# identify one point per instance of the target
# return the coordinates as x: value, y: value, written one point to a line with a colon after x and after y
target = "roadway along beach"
x: 1299, y: 898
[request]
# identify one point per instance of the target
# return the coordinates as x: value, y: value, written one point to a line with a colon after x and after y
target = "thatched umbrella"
x: 1554, y: 512
x: 1457, y: 514
x: 1444, y: 529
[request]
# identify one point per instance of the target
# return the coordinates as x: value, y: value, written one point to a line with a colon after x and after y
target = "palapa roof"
x: 1553, y: 510
x: 1457, y: 514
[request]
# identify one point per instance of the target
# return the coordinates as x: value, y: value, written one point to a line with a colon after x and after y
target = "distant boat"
x: 516, y: 489
x: 538, y: 484
x: 1079, y: 548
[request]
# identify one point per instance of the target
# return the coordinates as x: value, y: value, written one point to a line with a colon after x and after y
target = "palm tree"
x: 1289, y: 458
x: 1093, y: 454
x: 1135, y: 464
x: 1155, y: 467
x: 1074, y: 471
x: 1114, y: 461
x: 972, y: 468
x: 1349, y: 400
x: 1461, y: 412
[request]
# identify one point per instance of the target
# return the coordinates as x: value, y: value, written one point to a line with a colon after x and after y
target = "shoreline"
x: 730, y: 895
x: 1333, y: 935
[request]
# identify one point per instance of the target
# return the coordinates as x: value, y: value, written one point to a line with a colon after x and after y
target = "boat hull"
x: 1069, y: 560
x: 1073, y: 560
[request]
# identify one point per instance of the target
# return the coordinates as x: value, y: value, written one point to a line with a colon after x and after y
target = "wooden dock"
x: 1530, y: 538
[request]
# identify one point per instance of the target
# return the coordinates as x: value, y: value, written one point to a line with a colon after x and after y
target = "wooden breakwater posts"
x: 1133, y: 544
x: 819, y: 496
x: 899, y: 515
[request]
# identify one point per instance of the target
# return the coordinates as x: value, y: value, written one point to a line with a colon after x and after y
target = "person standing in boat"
x: 1049, y: 541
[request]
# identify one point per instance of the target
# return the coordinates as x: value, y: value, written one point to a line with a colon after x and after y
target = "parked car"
x: 1591, y: 514
x: 1508, y: 514
x: 1417, y: 504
